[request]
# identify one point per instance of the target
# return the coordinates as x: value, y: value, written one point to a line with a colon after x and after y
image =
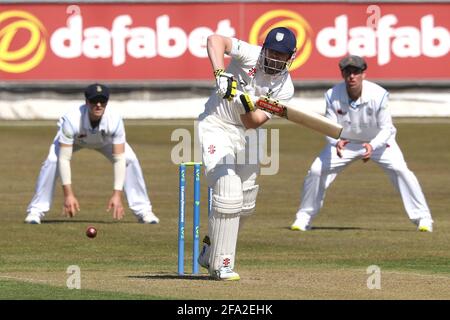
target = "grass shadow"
x: 356, y: 228
x: 364, y: 229
x: 335, y: 228
x: 342, y: 228
x: 54, y: 221
x: 171, y: 276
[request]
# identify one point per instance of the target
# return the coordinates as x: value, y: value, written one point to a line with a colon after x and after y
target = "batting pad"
x: 249, y: 200
x: 223, y: 235
x: 227, y: 195
x: 224, y: 221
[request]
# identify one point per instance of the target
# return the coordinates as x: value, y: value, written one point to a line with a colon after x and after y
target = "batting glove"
x: 226, y: 85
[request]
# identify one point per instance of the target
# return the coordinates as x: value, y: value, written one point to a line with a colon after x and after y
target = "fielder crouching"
x: 361, y: 107
x: 222, y: 126
x: 92, y: 126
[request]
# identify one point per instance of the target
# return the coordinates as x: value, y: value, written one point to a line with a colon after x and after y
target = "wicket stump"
x: 196, y: 215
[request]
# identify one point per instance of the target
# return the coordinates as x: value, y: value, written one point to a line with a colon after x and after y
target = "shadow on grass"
x: 356, y: 228
x: 171, y: 276
x: 342, y: 228
x: 83, y: 221
x: 364, y: 229
x: 334, y: 228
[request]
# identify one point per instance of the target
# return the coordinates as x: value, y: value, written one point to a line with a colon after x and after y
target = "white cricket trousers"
x: 327, y: 165
x: 223, y: 152
x: 134, y: 188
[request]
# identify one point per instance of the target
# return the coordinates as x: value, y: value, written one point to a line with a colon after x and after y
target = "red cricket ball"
x: 91, y: 232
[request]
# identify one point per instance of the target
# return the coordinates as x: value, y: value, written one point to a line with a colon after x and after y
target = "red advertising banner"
x: 166, y: 42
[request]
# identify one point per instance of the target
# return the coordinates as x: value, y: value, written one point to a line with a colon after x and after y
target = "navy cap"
x: 353, y: 61
x: 281, y: 39
x: 96, y: 90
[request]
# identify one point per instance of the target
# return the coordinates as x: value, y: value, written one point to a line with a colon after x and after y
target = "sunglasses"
x: 99, y: 99
x: 352, y: 70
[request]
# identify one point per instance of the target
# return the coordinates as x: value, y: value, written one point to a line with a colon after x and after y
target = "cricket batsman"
x: 253, y: 71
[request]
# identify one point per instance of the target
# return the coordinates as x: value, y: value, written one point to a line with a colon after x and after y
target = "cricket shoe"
x: 425, y: 225
x: 148, y: 218
x: 300, y: 225
x: 203, y: 258
x: 225, y: 274
x: 33, y: 218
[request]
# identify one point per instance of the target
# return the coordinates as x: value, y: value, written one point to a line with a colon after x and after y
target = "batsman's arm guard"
x: 247, y: 102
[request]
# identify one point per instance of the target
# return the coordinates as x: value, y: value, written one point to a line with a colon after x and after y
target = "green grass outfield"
x: 363, y: 223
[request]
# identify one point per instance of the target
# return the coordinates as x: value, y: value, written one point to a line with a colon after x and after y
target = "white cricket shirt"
x: 76, y: 129
x: 366, y: 120
x: 244, y: 57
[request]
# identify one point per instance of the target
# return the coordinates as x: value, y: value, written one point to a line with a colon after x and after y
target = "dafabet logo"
x: 22, y: 41
x: 25, y: 41
x: 291, y: 20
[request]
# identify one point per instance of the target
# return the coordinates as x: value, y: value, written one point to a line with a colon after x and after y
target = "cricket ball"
x: 91, y: 232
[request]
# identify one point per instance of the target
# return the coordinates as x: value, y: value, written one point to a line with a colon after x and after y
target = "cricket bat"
x: 308, y: 119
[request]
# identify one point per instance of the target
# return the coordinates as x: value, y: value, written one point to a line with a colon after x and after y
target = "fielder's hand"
x: 340, y: 145
x: 368, y: 153
x: 71, y: 206
x: 226, y: 84
x: 115, y: 203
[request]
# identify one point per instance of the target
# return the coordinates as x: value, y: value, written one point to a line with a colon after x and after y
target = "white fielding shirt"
x: 76, y: 129
x: 366, y: 120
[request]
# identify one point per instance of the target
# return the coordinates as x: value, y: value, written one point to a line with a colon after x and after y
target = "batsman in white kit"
x: 361, y: 107
x: 253, y: 71
x: 92, y: 126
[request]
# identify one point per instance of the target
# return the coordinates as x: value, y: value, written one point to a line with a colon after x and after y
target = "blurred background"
x: 153, y: 55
